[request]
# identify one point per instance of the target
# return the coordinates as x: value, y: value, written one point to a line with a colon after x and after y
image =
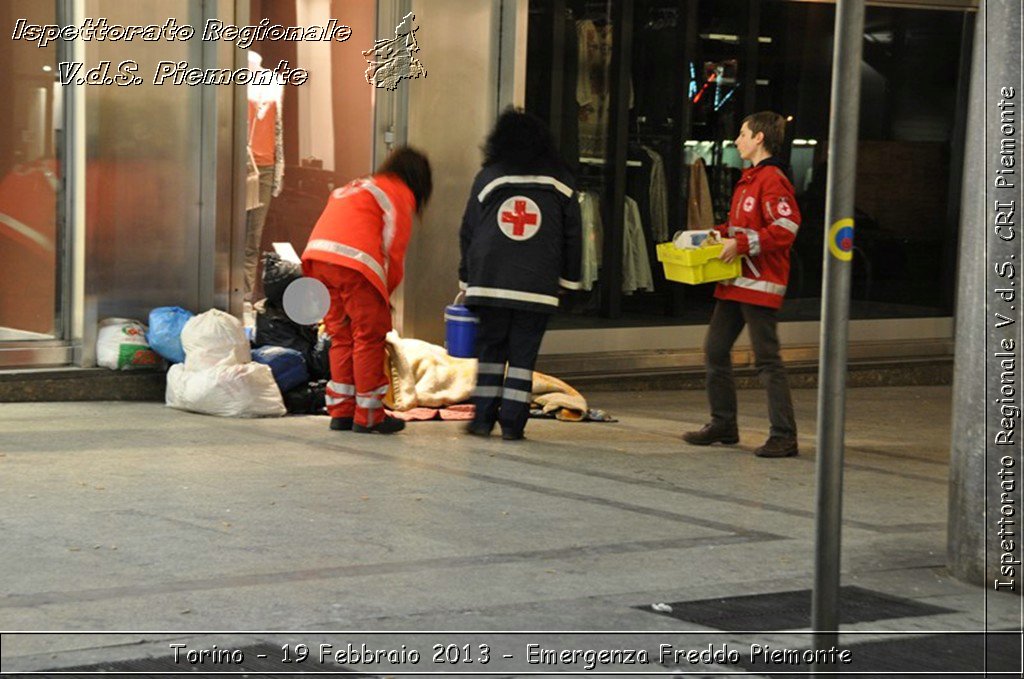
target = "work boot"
x: 512, y: 435
x: 778, y: 446
x: 389, y: 425
x: 713, y: 433
x: 341, y: 424
x: 479, y: 428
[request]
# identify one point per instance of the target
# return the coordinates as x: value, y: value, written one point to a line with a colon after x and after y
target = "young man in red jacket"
x: 357, y: 249
x: 762, y: 226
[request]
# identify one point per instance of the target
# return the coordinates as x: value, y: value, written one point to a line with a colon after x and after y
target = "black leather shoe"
x: 341, y: 423
x: 509, y: 435
x: 778, y: 446
x: 389, y: 425
x: 479, y: 428
x: 713, y: 433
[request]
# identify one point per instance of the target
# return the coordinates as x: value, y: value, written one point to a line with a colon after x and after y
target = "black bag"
x: 307, y: 399
x: 277, y: 276
x: 273, y: 327
x: 318, y: 361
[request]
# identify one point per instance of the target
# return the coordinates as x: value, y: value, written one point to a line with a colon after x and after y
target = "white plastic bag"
x: 246, y: 390
x: 212, y: 339
x: 121, y: 345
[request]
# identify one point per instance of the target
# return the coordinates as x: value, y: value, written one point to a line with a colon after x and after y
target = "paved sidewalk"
x: 130, y: 516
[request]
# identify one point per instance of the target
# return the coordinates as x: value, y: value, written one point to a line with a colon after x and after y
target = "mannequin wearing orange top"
x: 265, y: 139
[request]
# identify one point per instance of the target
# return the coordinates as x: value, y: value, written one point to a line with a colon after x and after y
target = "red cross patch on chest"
x: 519, y: 218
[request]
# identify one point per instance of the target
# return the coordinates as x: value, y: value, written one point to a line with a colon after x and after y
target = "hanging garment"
x: 636, y: 266
x: 659, y: 197
x: 590, y: 210
x: 593, y: 85
x: 699, y: 208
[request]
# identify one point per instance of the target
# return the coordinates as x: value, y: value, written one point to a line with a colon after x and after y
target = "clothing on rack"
x: 699, y: 207
x: 658, y: 197
x: 593, y: 233
x: 593, y: 85
x: 636, y: 263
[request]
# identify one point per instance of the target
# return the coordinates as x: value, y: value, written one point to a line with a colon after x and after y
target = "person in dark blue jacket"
x: 521, y: 244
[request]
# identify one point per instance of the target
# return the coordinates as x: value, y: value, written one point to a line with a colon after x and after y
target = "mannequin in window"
x: 266, y: 145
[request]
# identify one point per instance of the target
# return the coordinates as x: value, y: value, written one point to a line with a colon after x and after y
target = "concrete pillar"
x: 976, y: 501
x: 451, y: 111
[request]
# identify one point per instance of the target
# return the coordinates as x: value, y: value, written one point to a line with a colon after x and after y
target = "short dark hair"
x: 413, y: 168
x: 520, y: 140
x: 772, y: 125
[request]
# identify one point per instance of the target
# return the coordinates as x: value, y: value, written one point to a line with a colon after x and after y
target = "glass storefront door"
x: 31, y: 260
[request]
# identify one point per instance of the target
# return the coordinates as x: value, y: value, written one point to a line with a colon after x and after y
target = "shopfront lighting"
x: 47, y: 68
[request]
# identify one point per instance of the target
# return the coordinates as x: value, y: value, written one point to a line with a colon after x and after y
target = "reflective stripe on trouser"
x: 357, y: 322
x: 338, y: 393
x: 509, y: 336
x: 371, y: 402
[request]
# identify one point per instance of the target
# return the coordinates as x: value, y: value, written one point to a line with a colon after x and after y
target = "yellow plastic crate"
x: 700, y: 265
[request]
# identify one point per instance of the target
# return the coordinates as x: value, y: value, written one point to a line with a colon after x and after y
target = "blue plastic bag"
x: 164, y: 335
x: 288, y: 366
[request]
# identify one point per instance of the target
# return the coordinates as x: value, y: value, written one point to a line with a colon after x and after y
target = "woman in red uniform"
x: 357, y: 249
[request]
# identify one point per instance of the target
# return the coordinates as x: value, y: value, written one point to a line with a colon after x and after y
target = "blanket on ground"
x: 424, y: 375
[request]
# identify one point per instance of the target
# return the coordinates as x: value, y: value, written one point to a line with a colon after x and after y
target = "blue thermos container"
x: 459, y: 330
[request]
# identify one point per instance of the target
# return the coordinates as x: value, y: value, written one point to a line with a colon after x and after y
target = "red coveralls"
x: 357, y: 249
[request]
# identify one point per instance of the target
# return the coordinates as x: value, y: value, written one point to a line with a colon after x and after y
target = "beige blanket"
x: 424, y: 375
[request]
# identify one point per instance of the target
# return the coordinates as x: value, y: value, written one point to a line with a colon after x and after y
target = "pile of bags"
x: 214, y: 368
x: 218, y: 376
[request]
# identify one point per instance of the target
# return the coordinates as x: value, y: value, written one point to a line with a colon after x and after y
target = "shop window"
x: 325, y: 130
x: 697, y: 67
x: 29, y: 179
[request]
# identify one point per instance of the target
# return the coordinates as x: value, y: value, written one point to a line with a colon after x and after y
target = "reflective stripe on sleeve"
x: 787, y: 224
x: 753, y: 238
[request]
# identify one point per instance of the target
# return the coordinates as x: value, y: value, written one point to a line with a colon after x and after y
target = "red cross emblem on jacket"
x: 519, y: 218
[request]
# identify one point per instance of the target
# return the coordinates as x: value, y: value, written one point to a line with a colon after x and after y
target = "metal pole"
x: 835, y: 312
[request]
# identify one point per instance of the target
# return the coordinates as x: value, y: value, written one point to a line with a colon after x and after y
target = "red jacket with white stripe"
x: 366, y: 226
x: 764, y: 219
